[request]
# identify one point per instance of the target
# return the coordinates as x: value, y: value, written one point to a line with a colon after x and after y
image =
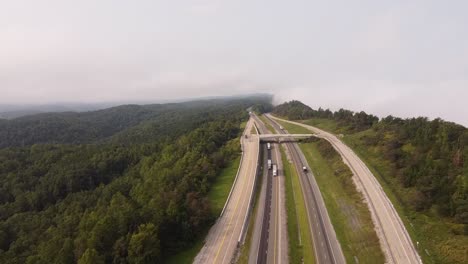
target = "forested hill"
x: 121, y: 185
x: 424, y: 161
x: 100, y: 126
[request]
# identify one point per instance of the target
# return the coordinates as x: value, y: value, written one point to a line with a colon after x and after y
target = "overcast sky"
x: 401, y: 57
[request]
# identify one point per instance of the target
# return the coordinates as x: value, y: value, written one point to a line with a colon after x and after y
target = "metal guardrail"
x: 244, y: 226
x: 237, y: 174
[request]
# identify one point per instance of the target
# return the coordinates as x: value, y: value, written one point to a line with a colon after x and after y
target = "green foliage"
x: 91, y: 256
x: 426, y: 157
x: 423, y: 167
x: 144, y: 245
x: 136, y: 192
x: 296, y: 110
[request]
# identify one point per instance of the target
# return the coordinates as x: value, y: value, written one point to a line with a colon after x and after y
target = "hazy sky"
x: 401, y: 57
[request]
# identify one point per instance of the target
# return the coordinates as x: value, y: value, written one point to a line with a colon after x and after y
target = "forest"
x: 121, y: 185
x: 427, y: 158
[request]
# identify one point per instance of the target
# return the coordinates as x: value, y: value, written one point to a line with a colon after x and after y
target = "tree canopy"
x: 121, y: 185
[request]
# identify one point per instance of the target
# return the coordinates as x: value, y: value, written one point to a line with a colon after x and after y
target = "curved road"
x: 393, y: 235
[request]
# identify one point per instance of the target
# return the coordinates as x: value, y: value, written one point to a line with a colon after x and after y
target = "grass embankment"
x: 301, y: 248
x: 349, y: 214
x: 439, y: 236
x: 253, y: 131
x: 294, y: 129
x: 267, y: 124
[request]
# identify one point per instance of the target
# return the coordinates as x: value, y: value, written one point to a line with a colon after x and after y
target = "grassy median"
x: 349, y: 214
x: 267, y: 124
x: 301, y: 248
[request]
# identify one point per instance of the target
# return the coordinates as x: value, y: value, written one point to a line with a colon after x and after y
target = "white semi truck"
x: 269, y: 164
x: 268, y: 146
x: 275, y: 171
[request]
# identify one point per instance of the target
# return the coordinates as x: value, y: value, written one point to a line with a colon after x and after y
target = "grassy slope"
x: 349, y: 214
x: 267, y: 123
x: 300, y: 240
x: 443, y: 242
x: 222, y: 186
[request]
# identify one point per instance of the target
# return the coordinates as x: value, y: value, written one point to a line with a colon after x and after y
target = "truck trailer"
x: 275, y: 171
x: 268, y: 146
x: 269, y: 164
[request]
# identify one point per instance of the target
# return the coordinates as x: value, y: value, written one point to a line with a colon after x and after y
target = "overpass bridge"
x: 283, y: 137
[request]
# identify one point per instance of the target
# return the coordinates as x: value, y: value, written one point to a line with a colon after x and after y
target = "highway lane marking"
x: 279, y: 206
x: 232, y: 216
x: 221, y: 221
x: 250, y: 165
x: 304, y: 194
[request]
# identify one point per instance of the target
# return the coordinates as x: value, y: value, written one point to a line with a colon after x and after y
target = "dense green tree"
x: 91, y: 256
x: 427, y: 157
x: 131, y: 185
x: 144, y: 245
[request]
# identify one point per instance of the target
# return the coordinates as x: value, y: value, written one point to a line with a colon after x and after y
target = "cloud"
x: 400, y: 57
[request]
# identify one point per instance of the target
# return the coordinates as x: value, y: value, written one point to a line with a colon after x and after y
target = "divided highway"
x: 222, y: 241
x: 270, y: 237
x: 393, y: 235
x: 326, y: 245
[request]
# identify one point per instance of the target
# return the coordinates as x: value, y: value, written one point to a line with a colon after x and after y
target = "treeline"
x: 429, y: 158
x: 137, y: 123
x: 114, y: 199
x: 296, y: 110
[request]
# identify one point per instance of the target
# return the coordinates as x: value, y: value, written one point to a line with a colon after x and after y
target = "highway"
x: 326, y: 245
x: 393, y: 236
x: 270, y: 237
x: 221, y: 243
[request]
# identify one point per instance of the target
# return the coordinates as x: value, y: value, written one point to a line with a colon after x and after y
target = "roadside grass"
x: 325, y: 124
x: 222, y: 186
x: 348, y: 212
x: 301, y: 248
x: 243, y: 125
x: 294, y: 129
x: 253, y: 131
x: 267, y: 124
x: 443, y: 240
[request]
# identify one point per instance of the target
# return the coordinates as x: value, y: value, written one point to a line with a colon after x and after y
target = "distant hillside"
x: 101, y: 125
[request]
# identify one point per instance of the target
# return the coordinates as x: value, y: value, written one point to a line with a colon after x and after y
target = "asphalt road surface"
x: 326, y: 245
x: 270, y: 245
x: 393, y: 235
x: 222, y: 240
